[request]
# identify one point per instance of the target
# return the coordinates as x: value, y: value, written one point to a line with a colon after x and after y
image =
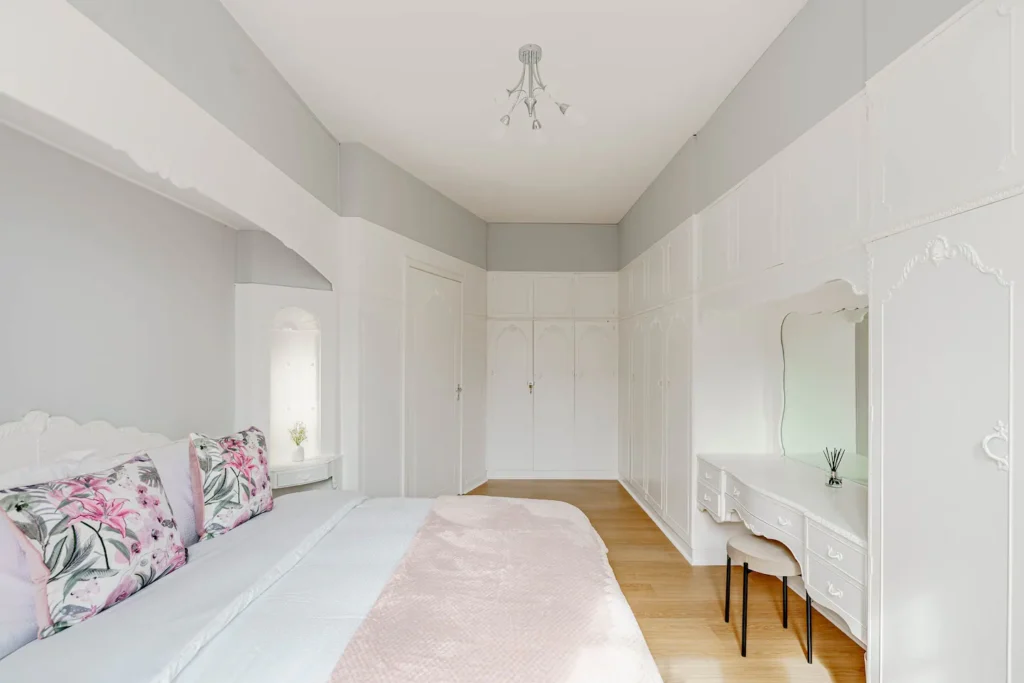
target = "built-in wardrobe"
x: 552, y: 349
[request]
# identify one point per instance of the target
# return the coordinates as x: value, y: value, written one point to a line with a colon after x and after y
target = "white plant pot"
x: 299, y: 454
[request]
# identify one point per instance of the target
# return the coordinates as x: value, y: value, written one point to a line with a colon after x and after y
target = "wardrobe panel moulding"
x: 553, y: 296
x: 946, y: 120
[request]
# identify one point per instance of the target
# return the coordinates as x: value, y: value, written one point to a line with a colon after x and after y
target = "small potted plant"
x: 298, y: 436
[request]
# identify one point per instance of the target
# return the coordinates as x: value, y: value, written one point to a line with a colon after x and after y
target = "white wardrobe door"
x: 509, y: 401
x: 677, y: 420
x: 655, y: 462
x: 553, y: 396
x: 433, y: 433
x: 943, y: 385
x: 637, y: 401
x: 596, y: 424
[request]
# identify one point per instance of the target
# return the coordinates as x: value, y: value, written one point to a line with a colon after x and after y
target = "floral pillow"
x: 93, y: 540
x: 230, y: 480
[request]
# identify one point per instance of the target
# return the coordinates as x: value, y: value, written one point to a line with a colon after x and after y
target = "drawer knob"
x: 735, y: 491
x: 833, y: 591
x: 306, y: 477
x: 707, y: 497
x: 784, y: 522
x: 834, y: 554
x: 707, y: 475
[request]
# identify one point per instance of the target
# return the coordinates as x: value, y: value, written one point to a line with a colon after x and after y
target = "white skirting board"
x: 682, y: 546
x: 553, y: 474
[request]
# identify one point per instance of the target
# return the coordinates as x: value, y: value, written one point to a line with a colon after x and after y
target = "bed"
x: 331, y: 586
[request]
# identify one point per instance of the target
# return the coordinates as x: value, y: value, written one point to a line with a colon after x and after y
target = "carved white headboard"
x: 38, y: 438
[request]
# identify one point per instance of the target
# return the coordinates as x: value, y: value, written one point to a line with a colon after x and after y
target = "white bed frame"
x: 38, y: 438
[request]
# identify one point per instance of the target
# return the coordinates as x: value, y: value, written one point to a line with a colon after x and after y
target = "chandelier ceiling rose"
x: 528, y: 91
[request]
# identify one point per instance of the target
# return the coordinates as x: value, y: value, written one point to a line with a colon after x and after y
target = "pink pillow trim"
x: 37, y: 572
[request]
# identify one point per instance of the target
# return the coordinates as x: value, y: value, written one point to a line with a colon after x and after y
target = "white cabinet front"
x: 553, y: 395
x: 509, y: 395
x: 637, y: 402
x: 677, y: 420
x: 655, y: 451
x: 943, y: 385
x: 597, y: 380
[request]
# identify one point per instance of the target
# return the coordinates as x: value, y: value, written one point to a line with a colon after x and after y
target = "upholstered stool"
x: 763, y: 556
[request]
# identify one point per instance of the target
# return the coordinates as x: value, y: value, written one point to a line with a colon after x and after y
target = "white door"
x: 677, y: 419
x: 637, y: 402
x: 433, y: 433
x: 509, y: 396
x: 597, y: 377
x: 944, y: 349
x: 655, y: 451
x: 553, y: 411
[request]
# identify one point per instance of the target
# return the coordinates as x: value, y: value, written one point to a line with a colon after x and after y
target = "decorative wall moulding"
x: 81, y: 90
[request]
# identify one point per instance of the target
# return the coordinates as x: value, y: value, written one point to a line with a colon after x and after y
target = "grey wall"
x: 263, y: 259
x: 821, y: 60
x: 116, y: 303
x: 379, y: 191
x: 895, y: 25
x: 201, y: 50
x: 553, y: 247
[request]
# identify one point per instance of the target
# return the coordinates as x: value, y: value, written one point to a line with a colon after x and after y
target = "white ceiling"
x: 417, y: 85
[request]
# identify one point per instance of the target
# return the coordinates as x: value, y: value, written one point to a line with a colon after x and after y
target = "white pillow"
x: 172, y: 463
x: 17, y: 594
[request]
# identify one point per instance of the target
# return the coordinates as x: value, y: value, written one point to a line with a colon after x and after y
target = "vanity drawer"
x: 709, y: 475
x: 835, y: 587
x: 783, y: 518
x: 842, y: 555
x: 709, y: 499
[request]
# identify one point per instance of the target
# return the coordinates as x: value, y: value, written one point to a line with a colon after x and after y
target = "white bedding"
x: 274, y: 600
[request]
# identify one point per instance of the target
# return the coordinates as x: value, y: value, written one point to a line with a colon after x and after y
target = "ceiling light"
x: 529, y: 90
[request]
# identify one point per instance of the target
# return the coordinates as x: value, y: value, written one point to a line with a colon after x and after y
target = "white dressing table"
x: 787, y: 500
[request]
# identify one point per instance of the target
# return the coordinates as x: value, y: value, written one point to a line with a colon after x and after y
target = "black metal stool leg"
x: 810, y: 646
x: 785, y: 602
x: 746, y: 579
x: 728, y: 582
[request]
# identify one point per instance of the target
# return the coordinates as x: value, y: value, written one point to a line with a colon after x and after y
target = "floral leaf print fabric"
x: 230, y: 480
x: 93, y: 540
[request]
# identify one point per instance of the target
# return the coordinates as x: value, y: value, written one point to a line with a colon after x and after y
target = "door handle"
x: 458, y: 393
x: 530, y: 387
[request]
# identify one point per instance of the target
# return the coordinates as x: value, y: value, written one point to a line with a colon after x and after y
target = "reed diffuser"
x: 834, y: 456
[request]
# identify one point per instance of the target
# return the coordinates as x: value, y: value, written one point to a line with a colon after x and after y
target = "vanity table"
x: 787, y: 500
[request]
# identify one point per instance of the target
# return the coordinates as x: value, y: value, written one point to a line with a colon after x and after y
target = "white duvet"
x: 277, y: 599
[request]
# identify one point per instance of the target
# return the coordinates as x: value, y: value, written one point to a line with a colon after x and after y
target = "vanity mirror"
x: 825, y: 387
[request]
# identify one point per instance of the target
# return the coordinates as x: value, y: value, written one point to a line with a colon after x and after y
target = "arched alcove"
x: 294, y: 381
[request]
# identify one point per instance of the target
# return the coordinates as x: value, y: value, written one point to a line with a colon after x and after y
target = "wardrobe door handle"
x: 834, y: 555
x: 784, y: 522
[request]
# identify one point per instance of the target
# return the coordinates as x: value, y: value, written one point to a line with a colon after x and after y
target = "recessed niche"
x: 294, y: 382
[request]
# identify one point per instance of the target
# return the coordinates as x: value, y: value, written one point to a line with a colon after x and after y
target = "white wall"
x: 371, y: 296
x: 116, y: 303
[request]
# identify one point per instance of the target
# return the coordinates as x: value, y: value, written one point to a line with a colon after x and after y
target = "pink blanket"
x: 500, y: 589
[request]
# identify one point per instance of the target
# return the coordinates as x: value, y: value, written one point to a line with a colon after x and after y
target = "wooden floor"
x: 680, y: 608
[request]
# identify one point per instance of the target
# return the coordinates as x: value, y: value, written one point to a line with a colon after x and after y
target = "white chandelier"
x: 530, y: 91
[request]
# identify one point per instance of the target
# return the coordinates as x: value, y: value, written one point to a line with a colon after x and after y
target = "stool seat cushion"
x: 763, y: 555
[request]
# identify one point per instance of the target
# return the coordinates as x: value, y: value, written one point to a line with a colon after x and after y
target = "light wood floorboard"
x: 680, y: 607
